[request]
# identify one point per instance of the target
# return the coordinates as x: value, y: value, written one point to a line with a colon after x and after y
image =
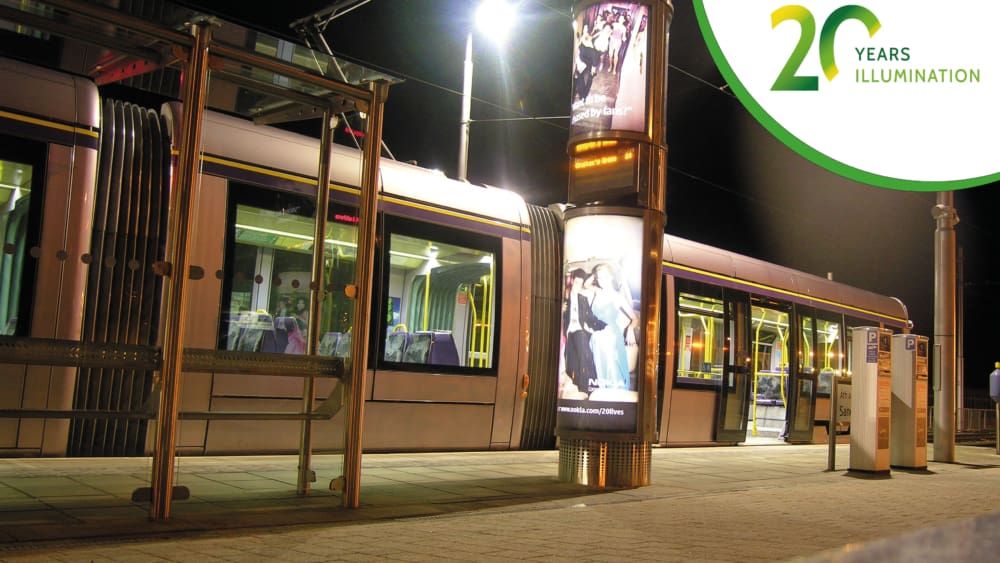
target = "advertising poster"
x: 610, y: 68
x: 599, y: 346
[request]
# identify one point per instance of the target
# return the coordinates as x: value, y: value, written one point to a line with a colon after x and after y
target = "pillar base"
x: 602, y: 464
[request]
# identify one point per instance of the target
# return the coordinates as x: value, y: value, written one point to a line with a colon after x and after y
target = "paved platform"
x: 746, y: 503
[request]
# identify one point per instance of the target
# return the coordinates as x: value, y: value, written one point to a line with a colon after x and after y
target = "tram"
x: 465, y: 333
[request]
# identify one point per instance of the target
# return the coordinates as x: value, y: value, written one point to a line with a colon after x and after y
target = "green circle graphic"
x: 810, y: 153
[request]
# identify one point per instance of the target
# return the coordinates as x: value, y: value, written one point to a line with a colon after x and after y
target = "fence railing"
x: 969, y: 421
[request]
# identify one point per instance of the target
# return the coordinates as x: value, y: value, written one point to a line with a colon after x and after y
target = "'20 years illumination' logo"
x: 927, y: 79
x: 787, y: 78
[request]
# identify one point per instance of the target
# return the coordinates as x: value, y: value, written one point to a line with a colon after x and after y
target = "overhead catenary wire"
x: 556, y: 122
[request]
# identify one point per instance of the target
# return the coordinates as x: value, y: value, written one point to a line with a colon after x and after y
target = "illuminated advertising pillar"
x: 606, y: 414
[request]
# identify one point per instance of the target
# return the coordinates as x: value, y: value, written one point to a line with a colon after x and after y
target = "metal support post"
x: 831, y: 454
x: 959, y: 340
x: 944, y: 327
x: 317, y: 294
x: 178, y: 249
x: 363, y: 296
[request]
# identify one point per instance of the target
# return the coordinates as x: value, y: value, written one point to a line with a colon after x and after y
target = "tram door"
x: 802, y: 391
x: 734, y: 395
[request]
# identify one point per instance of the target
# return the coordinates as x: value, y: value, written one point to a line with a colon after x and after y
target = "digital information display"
x: 601, y: 170
x: 610, y: 69
x: 599, y: 354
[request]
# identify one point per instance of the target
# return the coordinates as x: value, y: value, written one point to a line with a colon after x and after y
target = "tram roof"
x: 720, y: 266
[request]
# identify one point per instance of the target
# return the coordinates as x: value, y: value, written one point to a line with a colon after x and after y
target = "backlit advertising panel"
x: 599, y: 360
x: 610, y: 69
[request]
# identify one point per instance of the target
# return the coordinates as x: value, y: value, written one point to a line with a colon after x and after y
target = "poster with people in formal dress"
x: 610, y: 68
x: 599, y: 359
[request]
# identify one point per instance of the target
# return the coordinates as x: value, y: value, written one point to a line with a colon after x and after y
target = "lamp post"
x: 494, y: 18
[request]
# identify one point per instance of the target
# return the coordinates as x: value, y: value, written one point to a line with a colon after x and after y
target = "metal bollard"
x: 995, y: 395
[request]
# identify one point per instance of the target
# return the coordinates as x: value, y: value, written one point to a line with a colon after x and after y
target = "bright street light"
x: 494, y: 19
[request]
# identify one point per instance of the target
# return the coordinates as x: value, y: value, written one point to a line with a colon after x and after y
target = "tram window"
x: 20, y: 218
x: 769, y: 333
x: 700, y: 339
x: 829, y: 343
x: 807, y: 346
x: 441, y: 298
x: 266, y: 288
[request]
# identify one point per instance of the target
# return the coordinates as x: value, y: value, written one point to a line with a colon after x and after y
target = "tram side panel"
x: 688, y: 412
x: 59, y: 114
x: 469, y: 401
x: 412, y: 404
x: 232, y: 391
x: 690, y: 408
x: 69, y: 191
x: 204, y: 296
x: 520, y: 305
x: 512, y: 362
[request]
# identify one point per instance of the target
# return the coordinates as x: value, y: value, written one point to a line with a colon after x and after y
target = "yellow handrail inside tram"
x: 486, y: 335
x: 784, y: 364
x: 427, y: 297
x: 470, y: 292
x: 756, y: 365
x: 708, y: 341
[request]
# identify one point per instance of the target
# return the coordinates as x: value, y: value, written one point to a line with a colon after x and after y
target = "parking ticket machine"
x: 871, y: 398
x: 908, y: 445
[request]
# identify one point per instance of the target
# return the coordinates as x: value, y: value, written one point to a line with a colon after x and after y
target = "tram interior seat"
x: 328, y: 343
x: 343, y: 349
x: 769, y: 390
x: 250, y: 332
x: 422, y: 347
x: 418, y: 351
x: 279, y: 341
x: 766, y: 402
x: 396, y: 344
x: 443, y: 350
x: 335, y: 344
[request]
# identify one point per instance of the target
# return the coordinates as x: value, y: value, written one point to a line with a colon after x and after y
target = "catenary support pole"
x: 463, y: 132
x: 944, y: 327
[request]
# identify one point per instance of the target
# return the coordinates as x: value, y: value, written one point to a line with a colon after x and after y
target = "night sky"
x: 730, y: 183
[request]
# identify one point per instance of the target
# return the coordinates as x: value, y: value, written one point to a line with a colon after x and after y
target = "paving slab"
x: 759, y: 503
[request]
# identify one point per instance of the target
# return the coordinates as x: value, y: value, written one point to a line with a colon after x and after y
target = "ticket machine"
x: 871, y: 399
x: 908, y: 444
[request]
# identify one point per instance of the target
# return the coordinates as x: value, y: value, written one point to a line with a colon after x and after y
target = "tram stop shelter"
x: 184, y: 55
